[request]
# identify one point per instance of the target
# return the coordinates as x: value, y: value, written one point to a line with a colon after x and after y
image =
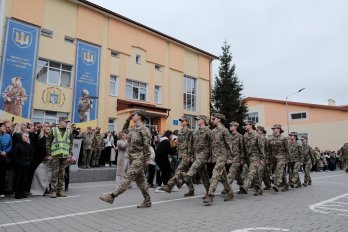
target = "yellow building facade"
x: 326, y: 126
x: 139, y: 67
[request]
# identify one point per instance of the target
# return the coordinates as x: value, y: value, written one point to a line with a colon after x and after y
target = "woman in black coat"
x: 22, y: 156
x: 162, y: 156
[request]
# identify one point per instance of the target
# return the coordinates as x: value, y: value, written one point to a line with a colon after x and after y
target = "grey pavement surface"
x: 322, y: 206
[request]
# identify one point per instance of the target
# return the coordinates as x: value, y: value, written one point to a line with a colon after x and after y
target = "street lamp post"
x: 286, y: 106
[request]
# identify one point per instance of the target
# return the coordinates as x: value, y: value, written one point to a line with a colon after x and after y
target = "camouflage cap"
x: 261, y: 128
x: 220, y: 116
x: 97, y: 128
x: 89, y: 128
x: 294, y: 134
x: 201, y: 117
x: 141, y: 113
x: 183, y: 118
x: 233, y: 123
x: 249, y: 122
x: 304, y: 138
x: 278, y: 126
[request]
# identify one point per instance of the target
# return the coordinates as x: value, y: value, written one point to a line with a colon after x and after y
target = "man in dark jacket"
x: 5, y: 150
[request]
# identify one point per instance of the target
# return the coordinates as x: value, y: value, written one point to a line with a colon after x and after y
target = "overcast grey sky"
x: 278, y: 46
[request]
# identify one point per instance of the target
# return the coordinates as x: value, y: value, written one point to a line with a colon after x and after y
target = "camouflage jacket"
x: 278, y: 148
x: 201, y: 143
x: 99, y: 141
x: 295, y: 152
x: 184, y: 146
x: 344, y: 152
x: 237, y: 147
x: 139, y: 141
x: 220, y: 143
x: 307, y: 154
x: 254, y: 146
x: 50, y: 139
x: 88, y: 141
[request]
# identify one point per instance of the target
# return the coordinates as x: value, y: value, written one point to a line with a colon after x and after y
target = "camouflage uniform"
x: 308, y: 160
x: 344, y: 157
x: 88, y: 142
x: 267, y: 169
x: 237, y: 155
x: 295, y: 161
x: 221, y: 150
x: 139, y: 141
x: 98, y: 147
x: 185, y: 155
x: 58, y: 163
x: 278, y: 150
x: 254, y: 152
x: 201, y: 144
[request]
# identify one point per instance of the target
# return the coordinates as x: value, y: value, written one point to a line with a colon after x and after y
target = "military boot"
x: 292, y: 185
x: 258, y: 192
x: 190, y: 193
x: 205, y: 196
x: 53, y: 195
x: 229, y: 196
x: 275, y: 187
x: 166, y: 188
x: 304, y: 184
x: 61, y: 194
x: 310, y: 183
x: 298, y: 185
x: 285, y: 188
x: 267, y: 188
x: 243, y: 190
x: 178, y: 183
x: 225, y: 191
x: 208, y: 200
x: 109, y: 198
x: 145, y: 204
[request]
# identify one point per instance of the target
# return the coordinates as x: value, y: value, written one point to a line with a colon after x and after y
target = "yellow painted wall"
x: 191, y: 64
x: 29, y: 11
x: 90, y: 25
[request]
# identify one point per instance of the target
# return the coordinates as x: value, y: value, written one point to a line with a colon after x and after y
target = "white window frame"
x: 116, y: 84
x: 159, y: 92
x: 188, y: 80
x: 60, y: 69
x: 133, y: 85
x: 45, y: 117
x: 112, y: 124
x: 257, y: 118
x: 300, y: 119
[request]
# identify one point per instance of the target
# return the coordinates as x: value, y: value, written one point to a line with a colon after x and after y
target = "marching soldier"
x: 265, y: 175
x: 221, y: 151
x: 278, y: 149
x: 88, y: 142
x: 201, y: 144
x: 139, y: 141
x: 255, y: 153
x: 98, y: 147
x: 344, y: 156
x: 295, y: 161
x: 185, y: 152
x: 308, y: 160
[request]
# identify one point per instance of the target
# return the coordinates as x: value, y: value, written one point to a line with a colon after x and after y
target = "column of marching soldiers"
x: 249, y: 159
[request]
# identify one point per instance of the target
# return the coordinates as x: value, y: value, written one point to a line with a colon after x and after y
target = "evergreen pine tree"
x: 227, y: 95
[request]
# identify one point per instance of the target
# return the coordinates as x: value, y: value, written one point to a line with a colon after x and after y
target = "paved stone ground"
x: 320, y: 207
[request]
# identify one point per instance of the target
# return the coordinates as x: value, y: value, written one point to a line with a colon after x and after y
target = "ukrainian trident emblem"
x: 21, y: 38
x: 88, y: 56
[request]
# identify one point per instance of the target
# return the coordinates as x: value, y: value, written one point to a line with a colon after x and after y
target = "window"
x: 136, y: 90
x: 69, y: 39
x: 115, y: 54
x: 46, y: 32
x: 48, y: 116
x: 138, y: 59
x: 298, y: 116
x: 150, y: 124
x: 190, y: 94
x: 158, y: 67
x: 113, y: 85
x: 112, y: 124
x: 53, y: 73
x: 157, y: 94
x: 254, y: 116
x: 192, y: 121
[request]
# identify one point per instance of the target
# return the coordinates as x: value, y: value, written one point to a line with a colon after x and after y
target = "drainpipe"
x: 210, y: 77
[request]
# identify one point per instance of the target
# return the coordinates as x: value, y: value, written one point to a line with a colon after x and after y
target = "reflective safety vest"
x: 60, y: 145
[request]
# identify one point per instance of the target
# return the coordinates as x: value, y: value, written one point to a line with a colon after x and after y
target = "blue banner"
x: 18, y: 68
x: 85, y: 107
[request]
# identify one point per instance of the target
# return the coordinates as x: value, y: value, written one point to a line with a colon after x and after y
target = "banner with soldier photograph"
x: 85, y: 107
x: 18, y: 68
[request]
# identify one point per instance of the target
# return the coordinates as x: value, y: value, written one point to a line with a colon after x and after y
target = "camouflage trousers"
x: 266, y: 175
x: 134, y: 173
x: 344, y: 162
x: 294, y: 168
x: 199, y: 166
x: 254, y: 174
x: 183, y: 167
x: 96, y: 156
x: 279, y: 173
x: 234, y: 173
x: 58, y: 165
x: 219, y: 173
x: 307, y: 172
x: 86, y: 157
